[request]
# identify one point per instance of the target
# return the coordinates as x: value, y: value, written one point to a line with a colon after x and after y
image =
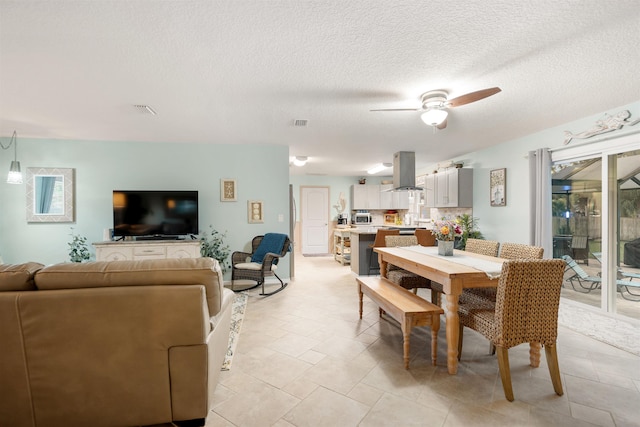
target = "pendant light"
x: 15, y: 176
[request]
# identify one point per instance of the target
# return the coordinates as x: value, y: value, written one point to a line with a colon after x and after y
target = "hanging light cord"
x: 13, y: 139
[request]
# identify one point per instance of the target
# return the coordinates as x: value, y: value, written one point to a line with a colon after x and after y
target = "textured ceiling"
x: 237, y: 72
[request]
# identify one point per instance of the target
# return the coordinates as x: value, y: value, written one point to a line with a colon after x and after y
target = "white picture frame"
x: 50, y: 195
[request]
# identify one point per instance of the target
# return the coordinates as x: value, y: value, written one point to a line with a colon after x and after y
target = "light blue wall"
x: 511, y: 223
x: 262, y: 173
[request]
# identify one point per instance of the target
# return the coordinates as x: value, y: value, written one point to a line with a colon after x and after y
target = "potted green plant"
x: 469, y: 225
x: 78, y: 249
x: 213, y: 246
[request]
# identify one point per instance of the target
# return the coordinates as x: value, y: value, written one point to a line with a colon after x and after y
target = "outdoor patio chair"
x: 580, y: 277
x: 526, y: 310
x: 579, y: 248
x: 262, y: 262
x: 588, y: 283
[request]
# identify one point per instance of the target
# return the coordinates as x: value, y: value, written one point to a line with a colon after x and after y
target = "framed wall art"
x: 498, y: 187
x: 255, y: 212
x: 228, y: 190
x: 50, y: 195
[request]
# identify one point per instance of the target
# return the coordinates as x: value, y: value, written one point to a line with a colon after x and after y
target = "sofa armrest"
x: 91, y: 349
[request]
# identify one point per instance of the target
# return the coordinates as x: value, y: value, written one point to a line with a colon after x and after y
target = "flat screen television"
x: 155, y: 214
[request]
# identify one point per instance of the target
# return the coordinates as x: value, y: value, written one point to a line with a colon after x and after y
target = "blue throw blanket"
x: 271, y: 242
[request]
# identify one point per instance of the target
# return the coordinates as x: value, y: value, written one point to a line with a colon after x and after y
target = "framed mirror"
x: 50, y: 195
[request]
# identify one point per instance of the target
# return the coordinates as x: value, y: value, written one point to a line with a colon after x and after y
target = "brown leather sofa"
x: 122, y: 343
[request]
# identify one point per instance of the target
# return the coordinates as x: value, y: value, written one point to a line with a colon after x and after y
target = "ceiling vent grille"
x: 145, y: 109
x: 301, y: 123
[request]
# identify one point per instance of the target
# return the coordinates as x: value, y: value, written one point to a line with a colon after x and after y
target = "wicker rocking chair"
x: 262, y: 262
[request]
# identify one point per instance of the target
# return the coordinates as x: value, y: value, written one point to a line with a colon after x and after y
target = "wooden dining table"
x: 453, y: 276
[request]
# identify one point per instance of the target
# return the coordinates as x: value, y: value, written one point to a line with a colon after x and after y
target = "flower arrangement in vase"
x: 446, y: 231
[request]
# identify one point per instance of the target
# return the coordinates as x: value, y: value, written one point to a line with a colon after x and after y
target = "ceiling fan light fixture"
x: 434, y: 117
x: 379, y: 168
x: 300, y: 160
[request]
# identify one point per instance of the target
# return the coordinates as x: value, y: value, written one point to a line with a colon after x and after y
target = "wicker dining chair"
x: 483, y: 247
x: 425, y: 237
x: 509, y: 251
x: 520, y: 251
x: 526, y: 310
x: 400, y: 276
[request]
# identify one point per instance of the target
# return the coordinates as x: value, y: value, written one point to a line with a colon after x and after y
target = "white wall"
x: 262, y: 173
x: 511, y: 223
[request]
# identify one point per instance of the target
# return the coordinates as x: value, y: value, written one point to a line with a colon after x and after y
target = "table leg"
x: 360, y: 295
x: 406, y: 334
x: 452, y: 329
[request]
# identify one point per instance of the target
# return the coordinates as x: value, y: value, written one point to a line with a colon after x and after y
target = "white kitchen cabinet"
x: 400, y: 200
x: 386, y: 196
x: 373, y: 196
x: 452, y: 188
x: 376, y: 197
x: 365, y: 197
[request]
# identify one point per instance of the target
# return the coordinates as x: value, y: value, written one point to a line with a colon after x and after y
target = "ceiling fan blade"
x: 397, y: 109
x: 442, y: 125
x: 472, y: 97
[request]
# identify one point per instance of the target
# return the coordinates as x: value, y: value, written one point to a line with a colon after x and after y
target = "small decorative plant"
x: 446, y: 230
x: 78, y: 249
x: 213, y: 246
x: 469, y: 225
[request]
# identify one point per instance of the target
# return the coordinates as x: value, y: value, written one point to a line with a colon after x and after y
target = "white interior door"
x: 314, y: 211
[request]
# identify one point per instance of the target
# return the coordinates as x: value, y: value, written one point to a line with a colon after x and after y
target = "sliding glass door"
x: 596, y: 229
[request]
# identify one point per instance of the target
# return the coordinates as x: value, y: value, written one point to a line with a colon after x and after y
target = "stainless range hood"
x: 404, y: 171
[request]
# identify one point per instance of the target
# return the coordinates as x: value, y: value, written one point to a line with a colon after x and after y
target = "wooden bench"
x: 404, y: 306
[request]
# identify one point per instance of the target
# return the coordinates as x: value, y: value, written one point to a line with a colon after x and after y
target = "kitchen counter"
x: 362, y: 238
x: 373, y: 228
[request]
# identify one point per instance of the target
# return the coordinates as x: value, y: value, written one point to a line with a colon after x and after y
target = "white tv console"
x: 147, y: 249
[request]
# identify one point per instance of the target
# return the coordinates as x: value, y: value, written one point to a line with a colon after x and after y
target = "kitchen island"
x: 362, y: 238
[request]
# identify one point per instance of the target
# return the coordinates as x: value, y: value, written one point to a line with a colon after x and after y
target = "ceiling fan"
x: 435, y: 103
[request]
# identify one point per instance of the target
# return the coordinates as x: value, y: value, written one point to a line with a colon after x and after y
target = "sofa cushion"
x: 18, y: 277
x: 154, y: 272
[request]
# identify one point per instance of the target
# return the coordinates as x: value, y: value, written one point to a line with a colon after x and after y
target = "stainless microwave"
x: 362, y: 218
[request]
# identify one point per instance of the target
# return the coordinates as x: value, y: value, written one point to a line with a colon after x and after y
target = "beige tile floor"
x: 305, y: 359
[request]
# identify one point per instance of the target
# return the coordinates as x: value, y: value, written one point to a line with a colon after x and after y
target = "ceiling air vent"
x: 300, y: 123
x: 145, y: 109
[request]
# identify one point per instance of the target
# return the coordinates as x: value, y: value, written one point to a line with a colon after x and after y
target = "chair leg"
x: 505, y: 372
x: 460, y: 334
x: 554, y: 369
x: 534, y: 354
x: 435, y: 297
